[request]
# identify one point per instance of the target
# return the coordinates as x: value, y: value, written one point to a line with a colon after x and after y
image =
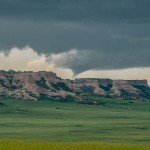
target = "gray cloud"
x: 113, y: 34
x: 70, y: 10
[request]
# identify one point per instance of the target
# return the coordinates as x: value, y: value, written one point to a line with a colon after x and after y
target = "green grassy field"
x: 40, y: 145
x: 114, y: 121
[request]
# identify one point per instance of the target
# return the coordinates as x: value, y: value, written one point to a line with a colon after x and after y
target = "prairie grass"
x: 40, y: 145
x: 113, y: 121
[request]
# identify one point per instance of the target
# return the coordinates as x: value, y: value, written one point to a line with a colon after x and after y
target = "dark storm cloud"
x: 114, y: 34
x: 76, y: 10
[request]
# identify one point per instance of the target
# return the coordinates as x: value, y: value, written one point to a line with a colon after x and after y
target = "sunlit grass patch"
x: 42, y: 145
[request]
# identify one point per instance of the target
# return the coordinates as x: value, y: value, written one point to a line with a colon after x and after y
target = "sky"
x: 77, y: 38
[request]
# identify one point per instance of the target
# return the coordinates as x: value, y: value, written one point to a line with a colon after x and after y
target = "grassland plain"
x: 113, y: 121
x: 42, y: 145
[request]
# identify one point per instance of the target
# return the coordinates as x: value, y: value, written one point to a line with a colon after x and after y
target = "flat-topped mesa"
x: 92, y: 79
x: 37, y: 75
x: 132, y: 82
x: 93, y: 85
x: 32, y: 74
x: 2, y: 72
x: 101, y: 82
x: 138, y: 82
x: 43, y: 84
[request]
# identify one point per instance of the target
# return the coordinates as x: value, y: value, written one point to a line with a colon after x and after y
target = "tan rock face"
x: 46, y: 85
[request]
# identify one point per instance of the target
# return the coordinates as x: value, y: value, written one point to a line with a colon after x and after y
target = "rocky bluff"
x: 46, y: 85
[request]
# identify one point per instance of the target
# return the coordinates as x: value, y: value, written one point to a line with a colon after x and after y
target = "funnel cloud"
x: 76, y: 36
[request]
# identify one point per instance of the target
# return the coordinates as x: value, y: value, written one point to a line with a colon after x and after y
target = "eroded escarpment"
x: 42, y: 84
